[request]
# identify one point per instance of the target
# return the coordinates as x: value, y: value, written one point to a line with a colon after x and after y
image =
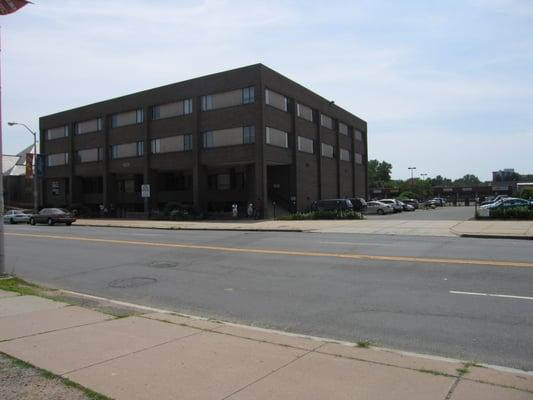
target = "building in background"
x: 18, y: 188
x: 244, y: 135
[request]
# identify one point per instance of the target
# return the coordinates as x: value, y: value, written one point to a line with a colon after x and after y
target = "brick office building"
x: 234, y: 136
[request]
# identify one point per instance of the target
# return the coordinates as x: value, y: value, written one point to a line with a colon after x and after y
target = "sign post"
x: 145, y: 194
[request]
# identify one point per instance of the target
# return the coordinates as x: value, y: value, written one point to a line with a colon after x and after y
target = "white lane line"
x: 508, y: 296
x: 355, y: 244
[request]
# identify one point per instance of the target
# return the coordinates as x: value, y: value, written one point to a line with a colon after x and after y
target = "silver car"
x: 377, y: 207
x: 16, y: 216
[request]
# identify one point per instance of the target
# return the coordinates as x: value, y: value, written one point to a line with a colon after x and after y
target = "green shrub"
x: 512, y: 213
x: 407, y: 195
x: 527, y: 194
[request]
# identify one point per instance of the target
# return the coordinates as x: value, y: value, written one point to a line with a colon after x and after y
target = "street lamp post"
x: 412, y: 172
x: 34, y: 162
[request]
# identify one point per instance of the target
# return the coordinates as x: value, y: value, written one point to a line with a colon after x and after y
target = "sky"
x: 446, y: 87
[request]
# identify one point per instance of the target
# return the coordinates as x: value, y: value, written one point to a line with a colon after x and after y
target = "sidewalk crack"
x: 129, y: 354
x: 452, y: 388
x: 271, y: 372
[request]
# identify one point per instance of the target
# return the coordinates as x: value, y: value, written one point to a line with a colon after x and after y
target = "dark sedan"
x: 52, y: 216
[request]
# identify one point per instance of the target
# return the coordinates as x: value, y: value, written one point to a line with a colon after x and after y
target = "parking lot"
x: 448, y: 213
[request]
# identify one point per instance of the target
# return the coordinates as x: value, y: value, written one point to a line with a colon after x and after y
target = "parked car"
x: 495, y: 199
x: 16, y: 216
x: 411, y: 202
x: 52, y: 216
x: 405, y: 206
x: 439, y: 201
x: 508, y: 203
x: 331, y: 205
x: 377, y: 207
x: 359, y: 204
x: 430, y: 204
x: 395, y: 204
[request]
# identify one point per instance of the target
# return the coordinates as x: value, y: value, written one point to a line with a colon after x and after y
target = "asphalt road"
x: 398, y: 291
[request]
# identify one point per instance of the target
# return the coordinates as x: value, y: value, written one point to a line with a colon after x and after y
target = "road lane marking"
x: 352, y: 256
x: 509, y: 296
x: 356, y: 244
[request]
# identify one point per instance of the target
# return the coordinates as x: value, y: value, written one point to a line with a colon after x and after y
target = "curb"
x: 482, y: 236
x: 296, y: 335
x: 177, y: 228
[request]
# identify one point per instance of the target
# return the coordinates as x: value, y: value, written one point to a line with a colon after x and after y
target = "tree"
x: 467, y: 180
x: 440, y: 181
x: 379, y: 173
x: 383, y: 171
x: 372, y: 171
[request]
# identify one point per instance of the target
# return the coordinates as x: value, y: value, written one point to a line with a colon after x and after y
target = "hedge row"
x: 512, y: 213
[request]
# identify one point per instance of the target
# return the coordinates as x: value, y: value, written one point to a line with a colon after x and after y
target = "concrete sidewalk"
x: 166, y: 356
x: 510, y: 229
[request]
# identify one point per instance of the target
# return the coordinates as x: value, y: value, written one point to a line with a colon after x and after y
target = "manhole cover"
x: 163, y: 264
x: 131, y: 282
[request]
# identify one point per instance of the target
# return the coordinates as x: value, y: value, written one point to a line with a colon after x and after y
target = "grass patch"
x: 365, y: 344
x: 433, y: 372
x: 466, y: 367
x: 19, y: 286
x: 90, y: 394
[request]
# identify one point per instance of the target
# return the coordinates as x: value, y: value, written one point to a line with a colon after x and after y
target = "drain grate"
x: 131, y: 282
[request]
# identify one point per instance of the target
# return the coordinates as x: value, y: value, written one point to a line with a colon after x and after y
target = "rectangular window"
x: 156, y: 112
x: 89, y: 155
x: 223, y: 182
x: 358, y: 158
x: 345, y: 155
x: 248, y: 95
x: 56, y: 133
x: 358, y: 135
x: 208, y: 139
x: 248, y: 134
x: 155, y: 146
x: 276, y: 137
x: 171, y: 144
x: 187, y: 106
x: 93, y: 125
x: 343, y: 129
x: 306, y: 145
x: 174, y: 109
x: 229, y: 137
x: 207, y: 103
x: 125, y: 150
x: 326, y: 121
x: 275, y: 100
x: 127, y: 118
x: 54, y: 160
x: 187, y: 142
x: 304, y: 112
x: 328, y: 150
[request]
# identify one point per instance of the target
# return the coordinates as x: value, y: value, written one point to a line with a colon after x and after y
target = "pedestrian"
x: 235, y: 210
x: 250, y: 210
x: 258, y: 208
